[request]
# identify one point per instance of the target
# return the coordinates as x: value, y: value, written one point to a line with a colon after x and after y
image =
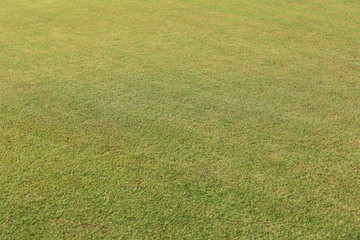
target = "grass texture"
x: 180, y: 119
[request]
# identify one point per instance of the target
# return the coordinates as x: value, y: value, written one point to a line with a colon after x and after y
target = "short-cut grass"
x: 180, y: 119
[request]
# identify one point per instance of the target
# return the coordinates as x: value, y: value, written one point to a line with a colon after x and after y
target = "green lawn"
x: 180, y: 119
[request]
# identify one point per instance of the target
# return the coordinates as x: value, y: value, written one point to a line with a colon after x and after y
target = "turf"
x: 181, y: 119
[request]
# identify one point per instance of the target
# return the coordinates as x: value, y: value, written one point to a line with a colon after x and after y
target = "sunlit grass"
x: 193, y: 119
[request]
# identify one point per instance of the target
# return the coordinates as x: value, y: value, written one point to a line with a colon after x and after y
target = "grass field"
x: 180, y: 119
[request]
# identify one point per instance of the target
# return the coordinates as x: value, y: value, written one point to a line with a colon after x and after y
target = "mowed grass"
x: 180, y: 119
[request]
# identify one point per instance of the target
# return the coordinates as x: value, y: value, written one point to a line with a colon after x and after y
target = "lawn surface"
x: 180, y: 119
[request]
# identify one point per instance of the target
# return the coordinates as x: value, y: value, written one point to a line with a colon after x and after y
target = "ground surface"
x: 198, y: 119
